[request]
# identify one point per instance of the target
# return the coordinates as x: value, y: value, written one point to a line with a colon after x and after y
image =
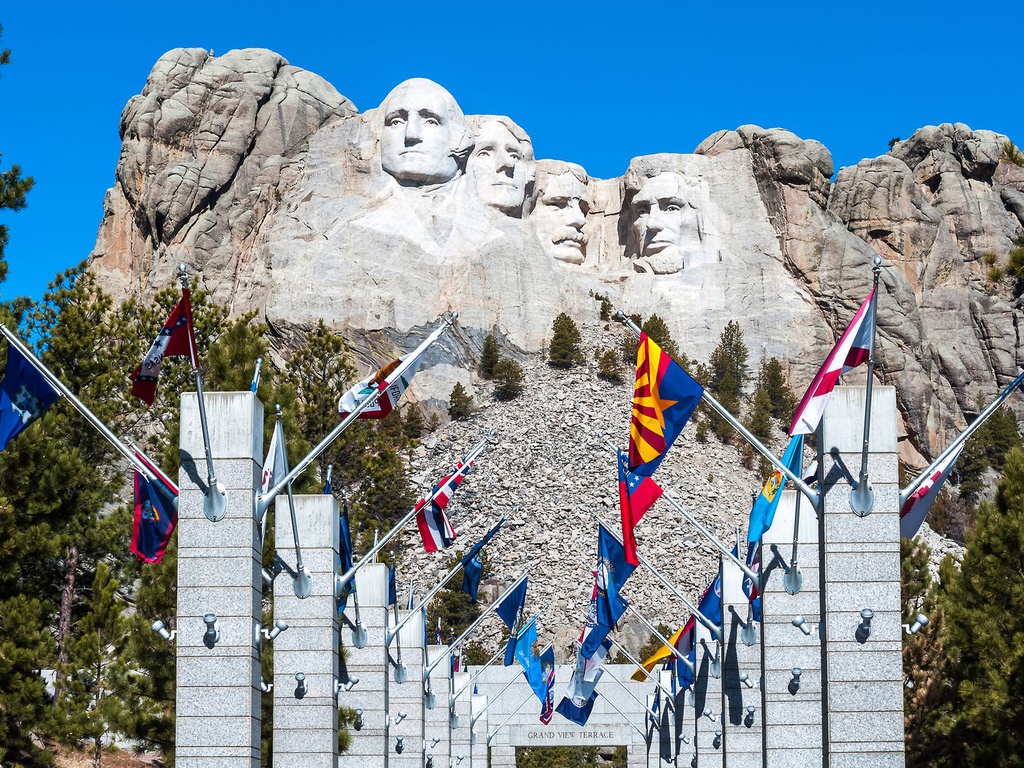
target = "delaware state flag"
x: 853, y: 348
x: 176, y: 339
x: 664, y: 398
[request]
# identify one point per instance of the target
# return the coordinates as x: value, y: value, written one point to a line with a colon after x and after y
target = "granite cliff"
x: 283, y: 196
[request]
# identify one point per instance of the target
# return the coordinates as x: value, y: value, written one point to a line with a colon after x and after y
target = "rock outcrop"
x: 283, y: 197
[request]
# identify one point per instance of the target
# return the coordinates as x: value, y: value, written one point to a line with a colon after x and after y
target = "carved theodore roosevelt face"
x: 560, y: 211
x: 663, y: 221
x: 423, y: 132
x: 499, y: 167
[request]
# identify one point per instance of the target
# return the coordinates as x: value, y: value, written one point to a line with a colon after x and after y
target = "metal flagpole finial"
x: 277, y: 411
x: 182, y: 274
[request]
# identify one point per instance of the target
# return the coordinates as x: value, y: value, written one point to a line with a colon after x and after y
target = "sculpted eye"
x: 394, y: 120
x: 673, y: 207
x: 642, y: 210
x: 432, y: 121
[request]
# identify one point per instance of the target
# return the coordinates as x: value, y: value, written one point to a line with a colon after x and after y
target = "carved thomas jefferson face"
x: 663, y: 221
x: 423, y: 129
x: 559, y: 216
x: 498, y: 168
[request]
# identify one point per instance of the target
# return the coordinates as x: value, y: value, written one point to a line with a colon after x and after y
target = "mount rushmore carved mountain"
x: 283, y: 196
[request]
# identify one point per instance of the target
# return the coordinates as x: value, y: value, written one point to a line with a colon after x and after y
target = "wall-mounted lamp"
x: 279, y: 627
x: 864, y: 628
x: 301, y: 686
x: 913, y: 629
x: 212, y: 635
x: 399, y: 717
x: 749, y: 719
x: 693, y: 762
x: 709, y: 714
x: 717, y: 743
x: 161, y: 629
x: 265, y: 686
x: 745, y: 679
x: 430, y: 762
x: 434, y: 742
x: 794, y: 683
x: 352, y: 683
x: 459, y: 759
x: 401, y: 673
x: 358, y: 724
x: 801, y: 623
x: 400, y: 744
x: 453, y: 720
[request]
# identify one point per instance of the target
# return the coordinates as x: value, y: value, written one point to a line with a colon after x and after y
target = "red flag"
x: 636, y: 495
x: 177, y: 338
x: 853, y: 348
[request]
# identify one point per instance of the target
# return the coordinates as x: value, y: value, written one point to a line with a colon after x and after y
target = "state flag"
x: 664, y: 398
x: 547, y: 666
x: 176, y: 339
x: 24, y: 395
x: 391, y: 390
x: 156, y: 515
x: 472, y: 565
x: 915, y: 509
x: 750, y: 587
x: 636, y: 495
x: 436, y: 530
x: 612, y: 572
x: 762, y: 513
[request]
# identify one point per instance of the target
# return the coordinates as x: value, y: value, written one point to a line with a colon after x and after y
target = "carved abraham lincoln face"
x: 663, y: 220
x: 423, y: 132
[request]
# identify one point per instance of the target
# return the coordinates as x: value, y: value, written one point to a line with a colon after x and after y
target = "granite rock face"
x: 283, y: 197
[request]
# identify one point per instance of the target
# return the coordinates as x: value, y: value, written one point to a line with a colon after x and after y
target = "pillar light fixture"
x: 212, y: 635
x: 301, y: 686
x: 864, y: 628
x: 920, y: 621
x: 160, y: 628
x: 794, y: 683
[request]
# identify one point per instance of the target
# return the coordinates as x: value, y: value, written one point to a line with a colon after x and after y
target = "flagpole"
x: 960, y: 439
x: 647, y: 564
x: 670, y: 497
x: 735, y: 424
x: 653, y: 678
x: 862, y: 497
x: 263, y: 501
x: 657, y: 634
x: 302, y: 582
x: 476, y: 622
x: 621, y: 684
x: 494, y: 698
x: 82, y: 409
x: 381, y: 543
x: 476, y: 676
x: 151, y: 465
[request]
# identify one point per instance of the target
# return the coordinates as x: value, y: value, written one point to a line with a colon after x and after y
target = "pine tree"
x: 413, y: 424
x: 508, y: 379
x: 608, y: 366
x: 728, y: 374
x: 759, y: 423
x: 657, y: 330
x: 460, y: 403
x: 489, y: 356
x: 564, y: 350
x: 772, y: 380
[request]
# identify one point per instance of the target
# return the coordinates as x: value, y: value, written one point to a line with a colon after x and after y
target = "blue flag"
x: 526, y: 638
x: 578, y: 715
x: 612, y: 572
x: 472, y: 565
x: 155, y: 518
x: 344, y: 554
x: 547, y: 666
x: 710, y: 604
x: 763, y: 512
x: 24, y: 396
x: 511, y: 603
x: 392, y: 586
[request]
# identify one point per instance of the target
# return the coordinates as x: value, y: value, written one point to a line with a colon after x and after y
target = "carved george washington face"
x: 559, y: 216
x: 423, y: 129
x: 499, y: 167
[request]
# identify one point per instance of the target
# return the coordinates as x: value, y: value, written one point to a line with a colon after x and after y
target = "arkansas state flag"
x: 435, y: 529
x: 156, y: 514
x: 915, y: 509
x: 853, y: 348
x: 391, y: 391
x: 636, y: 495
x: 664, y: 398
x: 176, y: 339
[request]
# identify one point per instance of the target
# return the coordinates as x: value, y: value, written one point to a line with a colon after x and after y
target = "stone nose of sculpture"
x: 413, y: 131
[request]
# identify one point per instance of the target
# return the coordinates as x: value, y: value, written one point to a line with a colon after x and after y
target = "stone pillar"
x: 460, y: 735
x: 435, y: 721
x: 368, y: 747
x: 478, y: 736
x: 408, y: 696
x: 217, y: 702
x: 743, y: 729
x: 863, y: 680
x: 306, y: 724
x: 792, y: 715
x: 710, y: 737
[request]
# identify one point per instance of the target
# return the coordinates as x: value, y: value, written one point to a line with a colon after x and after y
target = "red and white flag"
x: 436, y: 530
x: 853, y: 348
x: 177, y: 338
x: 391, y: 391
x: 915, y: 509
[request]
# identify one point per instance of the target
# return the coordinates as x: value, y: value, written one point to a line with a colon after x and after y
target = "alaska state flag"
x: 664, y: 397
x: 155, y: 518
x: 24, y: 396
x: 636, y: 495
x: 176, y: 339
x: 762, y: 514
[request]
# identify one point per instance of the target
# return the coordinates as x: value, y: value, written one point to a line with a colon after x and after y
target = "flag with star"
x: 24, y: 396
x: 636, y: 495
x: 612, y: 572
x: 177, y: 338
x: 156, y: 515
x: 664, y: 398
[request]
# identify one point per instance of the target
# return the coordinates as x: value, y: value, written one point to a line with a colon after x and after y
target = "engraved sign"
x: 569, y: 735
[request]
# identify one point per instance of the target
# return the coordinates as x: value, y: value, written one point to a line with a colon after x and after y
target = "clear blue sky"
x: 593, y: 83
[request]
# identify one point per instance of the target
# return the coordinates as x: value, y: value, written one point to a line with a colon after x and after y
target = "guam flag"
x: 24, y: 395
x: 176, y: 339
x: 664, y: 398
x: 155, y: 516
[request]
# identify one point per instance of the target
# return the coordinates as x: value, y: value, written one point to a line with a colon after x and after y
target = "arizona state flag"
x: 177, y: 338
x: 664, y: 398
